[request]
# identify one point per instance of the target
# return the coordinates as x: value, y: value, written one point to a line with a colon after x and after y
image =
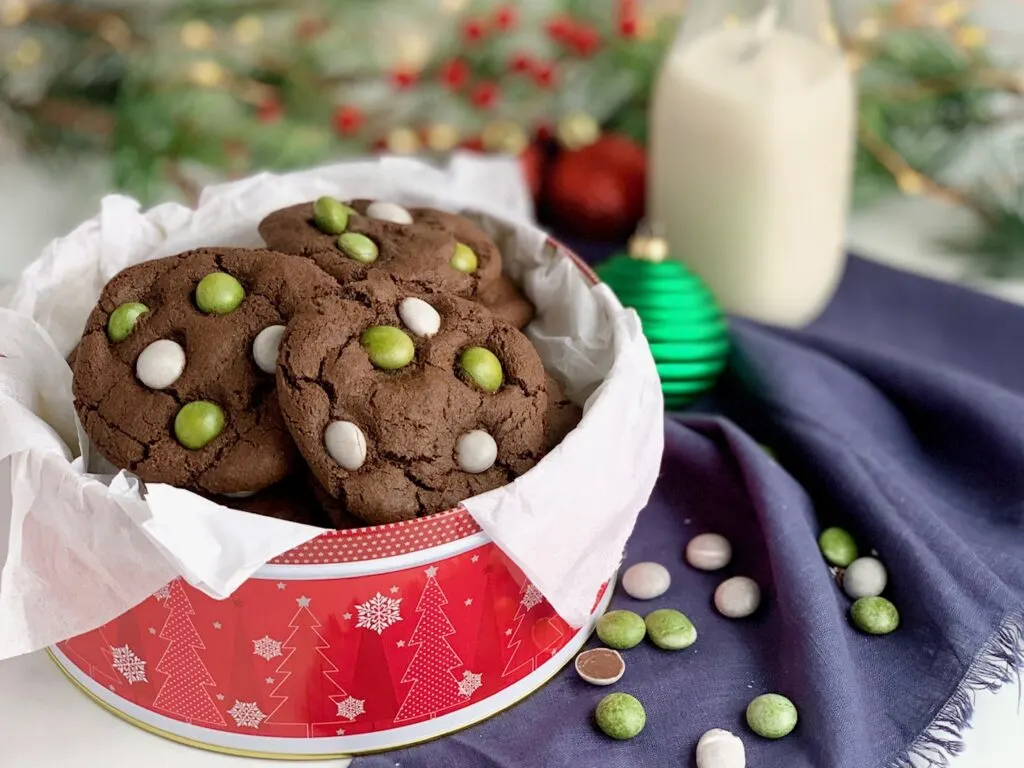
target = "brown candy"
x: 600, y: 666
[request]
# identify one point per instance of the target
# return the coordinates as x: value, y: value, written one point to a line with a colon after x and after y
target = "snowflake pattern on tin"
x: 351, y: 708
x: 246, y: 714
x: 469, y: 683
x: 128, y: 664
x: 379, y: 612
x: 266, y: 647
x: 531, y: 597
x: 163, y: 593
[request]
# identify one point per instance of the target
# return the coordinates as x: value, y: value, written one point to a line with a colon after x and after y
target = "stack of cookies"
x: 366, y: 367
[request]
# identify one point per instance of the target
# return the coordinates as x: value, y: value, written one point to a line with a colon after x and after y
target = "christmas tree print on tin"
x: 306, y: 689
x: 544, y: 632
x: 185, y: 693
x: 435, y: 687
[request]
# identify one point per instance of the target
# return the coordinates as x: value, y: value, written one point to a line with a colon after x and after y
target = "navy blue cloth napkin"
x: 898, y: 415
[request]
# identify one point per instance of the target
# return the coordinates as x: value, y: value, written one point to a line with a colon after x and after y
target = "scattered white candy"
x: 646, y: 581
x: 476, y: 451
x: 346, y: 444
x: 388, y: 212
x: 419, y: 317
x: 709, y: 552
x: 265, y: 347
x: 160, y: 364
x: 720, y: 749
x: 864, y: 577
x: 738, y: 597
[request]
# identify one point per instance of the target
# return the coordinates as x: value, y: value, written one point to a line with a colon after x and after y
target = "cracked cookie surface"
x: 133, y: 425
x: 418, y: 254
x: 410, y: 418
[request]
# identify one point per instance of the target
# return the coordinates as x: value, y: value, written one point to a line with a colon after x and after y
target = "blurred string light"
x: 13, y: 12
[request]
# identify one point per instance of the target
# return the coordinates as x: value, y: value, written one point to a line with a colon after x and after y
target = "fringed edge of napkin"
x: 1000, y: 661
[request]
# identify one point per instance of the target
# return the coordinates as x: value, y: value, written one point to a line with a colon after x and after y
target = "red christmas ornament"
x: 506, y: 17
x: 598, y: 192
x: 520, y: 63
x: 485, y: 94
x: 404, y: 78
x: 560, y: 28
x: 584, y: 40
x: 270, y: 110
x: 533, y: 161
x: 474, y: 30
x: 545, y: 133
x: 348, y: 120
x: 454, y: 74
x: 544, y: 74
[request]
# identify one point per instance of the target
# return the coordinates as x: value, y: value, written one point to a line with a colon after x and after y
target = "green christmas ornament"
x: 681, y: 319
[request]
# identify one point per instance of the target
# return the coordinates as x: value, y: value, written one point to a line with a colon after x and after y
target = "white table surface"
x: 46, y: 723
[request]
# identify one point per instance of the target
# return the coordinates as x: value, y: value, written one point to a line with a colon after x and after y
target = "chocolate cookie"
x: 562, y: 416
x: 174, y: 377
x: 405, y: 405
x: 291, y: 500
x: 433, y: 252
x: 506, y: 301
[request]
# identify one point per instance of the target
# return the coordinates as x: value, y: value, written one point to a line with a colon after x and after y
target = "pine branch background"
x: 188, y: 92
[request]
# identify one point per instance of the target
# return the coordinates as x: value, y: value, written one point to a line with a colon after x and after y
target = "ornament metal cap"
x: 647, y: 244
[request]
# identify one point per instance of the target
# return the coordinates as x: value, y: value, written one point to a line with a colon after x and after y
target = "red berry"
x: 520, y: 62
x: 348, y: 120
x: 485, y: 95
x: 506, y: 17
x: 584, y: 41
x: 544, y: 132
x: 474, y: 30
x: 454, y: 73
x: 404, y: 78
x: 544, y: 74
x: 269, y: 110
x: 560, y: 28
x: 472, y: 145
x: 627, y: 26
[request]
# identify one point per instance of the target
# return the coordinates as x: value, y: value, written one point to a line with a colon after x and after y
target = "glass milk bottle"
x: 751, y: 153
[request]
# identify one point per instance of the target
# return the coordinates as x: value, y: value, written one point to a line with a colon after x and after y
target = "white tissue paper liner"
x: 79, y: 549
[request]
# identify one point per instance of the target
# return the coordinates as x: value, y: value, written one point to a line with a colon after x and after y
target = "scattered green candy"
x: 670, y: 629
x: 621, y: 629
x: 875, y: 615
x: 620, y: 715
x: 219, y: 294
x: 197, y: 423
x: 123, y: 319
x: 464, y: 258
x: 358, y: 247
x: 772, y: 716
x: 330, y: 215
x: 483, y: 368
x: 389, y: 348
x: 837, y: 546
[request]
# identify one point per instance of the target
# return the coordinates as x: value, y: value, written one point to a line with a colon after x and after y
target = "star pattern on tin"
x: 269, y: 681
x: 469, y: 601
x: 393, y: 590
x: 340, y: 731
x: 220, y: 697
x: 431, y: 571
x: 217, y: 625
x: 281, y: 585
x: 474, y: 558
x: 303, y: 601
x: 347, y: 616
x: 400, y: 644
x: 152, y: 630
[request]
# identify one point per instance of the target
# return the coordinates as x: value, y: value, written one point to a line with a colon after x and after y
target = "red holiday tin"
x: 358, y: 640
